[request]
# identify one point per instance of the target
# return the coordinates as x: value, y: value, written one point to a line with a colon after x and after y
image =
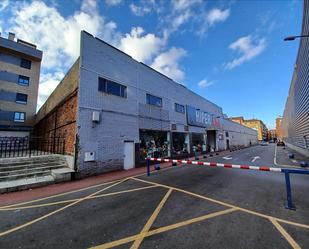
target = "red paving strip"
x: 31, y: 194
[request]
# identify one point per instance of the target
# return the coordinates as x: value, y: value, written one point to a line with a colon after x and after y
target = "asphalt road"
x: 187, y: 206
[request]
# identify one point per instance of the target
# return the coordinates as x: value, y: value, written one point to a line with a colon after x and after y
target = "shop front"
x: 153, y: 144
x: 198, y: 142
x: 180, y: 144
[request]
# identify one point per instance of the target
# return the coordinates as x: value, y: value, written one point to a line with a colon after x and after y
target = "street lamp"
x: 292, y: 38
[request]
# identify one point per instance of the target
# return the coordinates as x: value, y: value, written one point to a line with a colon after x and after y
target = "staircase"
x: 24, y: 173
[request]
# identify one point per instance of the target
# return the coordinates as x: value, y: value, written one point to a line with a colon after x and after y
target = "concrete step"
x: 14, y: 162
x: 27, y: 183
x: 29, y: 166
x: 32, y: 174
x: 31, y: 169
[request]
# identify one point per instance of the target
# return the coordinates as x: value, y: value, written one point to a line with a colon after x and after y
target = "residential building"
x: 272, y: 134
x: 121, y: 111
x: 295, y: 121
x: 255, y: 124
x: 20, y: 64
x: 279, y: 128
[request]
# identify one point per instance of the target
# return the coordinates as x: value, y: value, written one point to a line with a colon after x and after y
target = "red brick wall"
x: 61, y: 122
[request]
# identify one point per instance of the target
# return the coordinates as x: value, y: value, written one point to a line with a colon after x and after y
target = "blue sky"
x: 230, y: 52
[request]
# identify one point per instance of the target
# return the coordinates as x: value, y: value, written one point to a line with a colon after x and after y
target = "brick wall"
x: 61, y: 122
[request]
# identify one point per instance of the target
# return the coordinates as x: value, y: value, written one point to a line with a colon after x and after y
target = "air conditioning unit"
x: 96, y: 116
x: 89, y: 157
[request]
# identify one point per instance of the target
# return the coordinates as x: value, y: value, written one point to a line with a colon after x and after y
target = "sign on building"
x: 197, y: 117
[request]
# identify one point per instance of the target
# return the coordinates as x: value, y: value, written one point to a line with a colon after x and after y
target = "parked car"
x: 280, y: 143
x: 263, y: 143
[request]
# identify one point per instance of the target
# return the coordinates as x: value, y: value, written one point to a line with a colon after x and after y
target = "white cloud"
x: 217, y: 15
x: 139, y: 10
x: 4, y: 4
x: 205, y: 83
x: 141, y: 47
x: 168, y: 63
x: 48, y: 83
x: 248, y: 47
x: 57, y: 36
x: 113, y: 2
x: 184, y: 4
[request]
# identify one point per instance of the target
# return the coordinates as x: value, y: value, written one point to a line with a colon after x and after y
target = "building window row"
x: 19, y: 117
x: 21, y: 98
x: 153, y: 100
x: 179, y: 108
x: 23, y: 80
x: 25, y: 63
x: 112, y: 88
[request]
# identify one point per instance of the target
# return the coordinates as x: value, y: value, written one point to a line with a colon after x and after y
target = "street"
x: 187, y: 206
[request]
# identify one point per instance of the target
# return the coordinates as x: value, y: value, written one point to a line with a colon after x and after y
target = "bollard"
x: 148, y: 166
x: 289, y: 202
x: 157, y: 166
x: 303, y: 164
x: 174, y: 164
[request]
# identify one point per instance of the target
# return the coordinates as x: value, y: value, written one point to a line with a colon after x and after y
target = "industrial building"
x: 295, y: 121
x: 114, y: 111
x: 20, y: 64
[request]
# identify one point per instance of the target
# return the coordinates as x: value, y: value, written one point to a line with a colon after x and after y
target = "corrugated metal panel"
x: 295, y: 123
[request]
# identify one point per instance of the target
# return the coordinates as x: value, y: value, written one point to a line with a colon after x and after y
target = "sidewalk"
x: 282, y: 157
x: 30, y: 194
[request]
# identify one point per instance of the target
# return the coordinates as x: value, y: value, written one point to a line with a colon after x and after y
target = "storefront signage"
x: 201, y: 118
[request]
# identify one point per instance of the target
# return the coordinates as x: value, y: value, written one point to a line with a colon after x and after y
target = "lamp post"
x: 292, y: 38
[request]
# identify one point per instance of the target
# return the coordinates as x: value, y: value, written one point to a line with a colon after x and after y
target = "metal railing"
x: 11, y: 147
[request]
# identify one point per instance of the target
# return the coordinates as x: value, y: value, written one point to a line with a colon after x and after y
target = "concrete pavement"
x: 186, y: 206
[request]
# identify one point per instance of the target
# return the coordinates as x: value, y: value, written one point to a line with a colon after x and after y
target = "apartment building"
x: 255, y: 124
x: 20, y: 64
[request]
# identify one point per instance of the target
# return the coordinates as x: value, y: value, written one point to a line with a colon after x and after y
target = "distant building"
x: 20, y: 64
x: 114, y: 111
x: 279, y: 128
x: 255, y: 124
x: 271, y: 134
x: 295, y: 121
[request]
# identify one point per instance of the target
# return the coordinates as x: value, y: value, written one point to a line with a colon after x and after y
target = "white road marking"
x: 255, y: 158
x: 227, y: 157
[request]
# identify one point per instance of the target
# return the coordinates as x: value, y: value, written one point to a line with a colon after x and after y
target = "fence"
x: 11, y: 147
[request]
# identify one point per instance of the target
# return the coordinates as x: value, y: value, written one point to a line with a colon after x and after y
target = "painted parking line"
x: 72, y: 200
x: 285, y: 234
x: 226, y: 204
x: 151, y: 220
x: 58, y: 210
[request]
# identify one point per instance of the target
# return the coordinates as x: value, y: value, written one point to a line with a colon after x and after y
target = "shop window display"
x: 153, y: 143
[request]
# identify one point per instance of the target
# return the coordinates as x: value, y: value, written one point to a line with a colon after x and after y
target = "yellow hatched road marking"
x: 72, y: 200
x: 58, y: 210
x: 57, y: 195
x: 151, y: 220
x: 164, y: 229
x: 226, y: 204
x: 285, y: 234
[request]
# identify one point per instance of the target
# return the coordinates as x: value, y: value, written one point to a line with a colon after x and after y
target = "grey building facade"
x: 20, y: 64
x: 295, y: 121
x: 127, y: 111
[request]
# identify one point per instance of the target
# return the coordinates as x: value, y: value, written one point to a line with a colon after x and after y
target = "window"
x: 19, y: 116
x: 25, y: 63
x: 23, y: 80
x: 153, y: 100
x: 21, y: 98
x: 112, y: 88
x: 179, y: 108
